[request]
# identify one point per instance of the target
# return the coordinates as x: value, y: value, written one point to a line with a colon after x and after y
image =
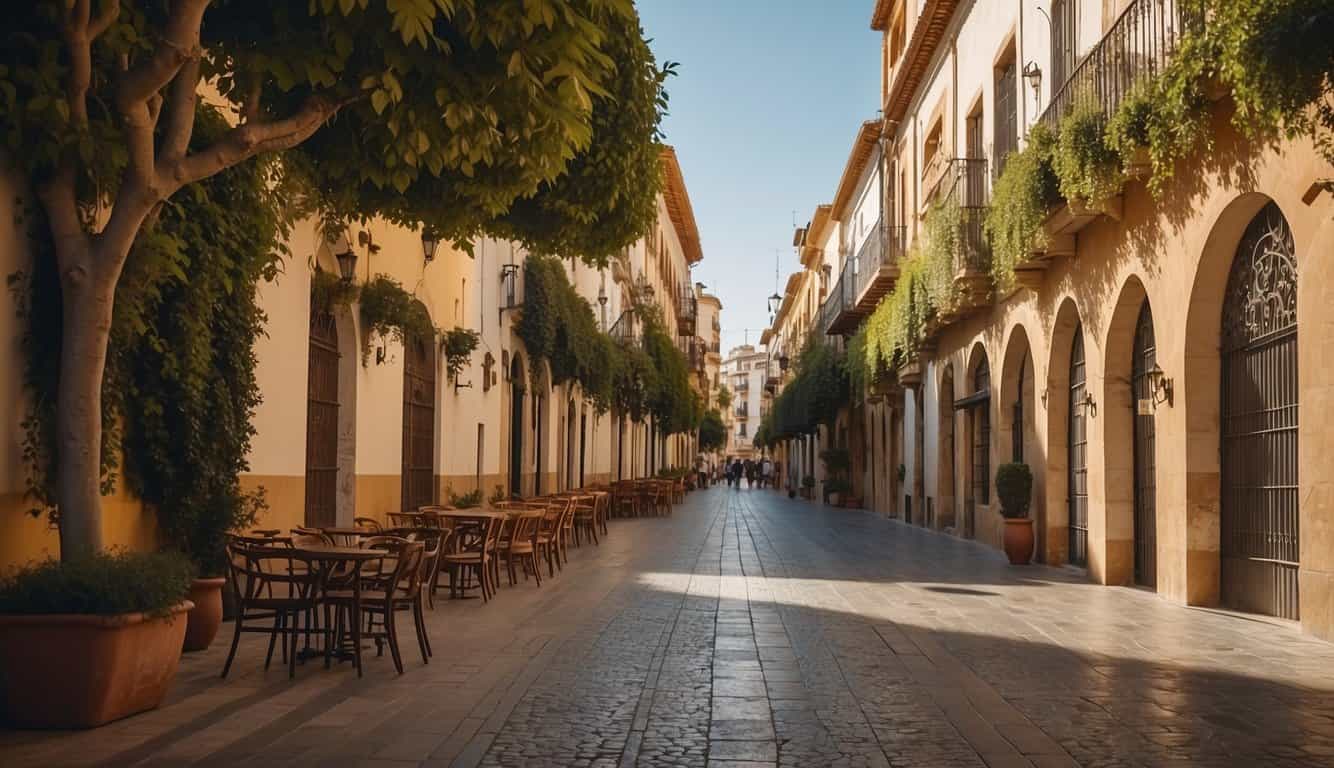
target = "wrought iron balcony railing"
x: 835, y: 303
x: 1137, y: 46
x: 687, y: 309
x: 625, y: 330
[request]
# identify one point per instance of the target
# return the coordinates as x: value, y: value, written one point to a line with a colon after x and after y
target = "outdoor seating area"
x: 323, y: 593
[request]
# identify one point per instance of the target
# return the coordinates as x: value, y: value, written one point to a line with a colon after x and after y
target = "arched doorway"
x: 322, y: 421
x: 944, y: 512
x: 977, y: 405
x: 539, y: 411
x: 516, y: 427
x: 1077, y: 454
x: 418, y: 422
x: 1259, y: 499
x: 1144, y: 360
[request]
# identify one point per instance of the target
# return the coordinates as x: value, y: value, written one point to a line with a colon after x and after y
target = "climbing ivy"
x: 556, y: 326
x: 1088, y: 167
x: 391, y: 312
x: 458, y: 346
x: 1020, y: 200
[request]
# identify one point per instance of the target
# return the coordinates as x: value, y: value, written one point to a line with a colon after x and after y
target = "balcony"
x: 835, y: 305
x: 1137, y: 46
x: 964, y: 184
x: 742, y: 411
x: 625, y: 330
x: 687, y: 309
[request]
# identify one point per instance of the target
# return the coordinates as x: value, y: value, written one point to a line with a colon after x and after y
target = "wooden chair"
x: 521, y: 545
x: 585, y: 518
x: 271, y: 584
x: 369, y: 523
x: 474, y: 546
x: 388, y: 586
x: 547, y: 541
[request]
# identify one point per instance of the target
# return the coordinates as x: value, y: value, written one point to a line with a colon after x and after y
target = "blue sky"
x: 768, y: 97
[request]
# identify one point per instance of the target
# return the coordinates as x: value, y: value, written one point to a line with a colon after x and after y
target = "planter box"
x: 79, y: 671
x: 852, y: 502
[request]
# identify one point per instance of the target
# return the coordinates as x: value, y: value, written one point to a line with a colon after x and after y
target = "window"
x: 931, y: 148
x: 1064, y: 34
x: 1006, y: 137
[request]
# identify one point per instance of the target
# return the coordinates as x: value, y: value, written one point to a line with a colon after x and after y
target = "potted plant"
x: 834, y: 488
x: 200, y: 531
x: 836, y: 463
x: 807, y: 486
x: 1014, y: 488
x: 91, y: 640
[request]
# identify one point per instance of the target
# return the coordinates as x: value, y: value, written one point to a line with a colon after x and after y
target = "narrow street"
x: 751, y: 630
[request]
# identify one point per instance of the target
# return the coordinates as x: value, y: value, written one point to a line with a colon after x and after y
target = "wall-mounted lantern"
x: 1160, y: 387
x: 347, y: 264
x: 1033, y: 74
x: 428, y: 244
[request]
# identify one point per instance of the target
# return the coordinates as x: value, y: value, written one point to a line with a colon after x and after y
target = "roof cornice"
x: 678, y: 206
x: 926, y: 36
x: 863, y: 147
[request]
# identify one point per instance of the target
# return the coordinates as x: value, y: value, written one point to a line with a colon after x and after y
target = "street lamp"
x: 428, y: 244
x: 774, y: 302
x: 1033, y: 74
x: 347, y: 264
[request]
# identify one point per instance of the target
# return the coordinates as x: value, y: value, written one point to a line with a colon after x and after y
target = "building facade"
x: 352, y: 424
x: 1156, y: 363
x: 744, y: 372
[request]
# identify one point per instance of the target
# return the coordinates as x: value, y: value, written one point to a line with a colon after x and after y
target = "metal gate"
x: 418, y: 423
x: 1077, y: 436
x: 322, y: 422
x: 1144, y: 359
x: 1260, y: 552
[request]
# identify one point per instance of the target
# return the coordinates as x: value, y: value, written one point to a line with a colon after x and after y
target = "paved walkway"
x: 750, y: 630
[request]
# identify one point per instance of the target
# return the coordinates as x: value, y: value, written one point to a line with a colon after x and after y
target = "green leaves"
x: 391, y: 312
x: 1020, y: 201
x: 557, y: 326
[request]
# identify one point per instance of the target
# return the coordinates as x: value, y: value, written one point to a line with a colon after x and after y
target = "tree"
x: 724, y: 397
x: 712, y: 433
x: 449, y: 111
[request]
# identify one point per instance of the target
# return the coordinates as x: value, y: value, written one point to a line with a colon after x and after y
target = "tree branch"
x: 58, y: 196
x: 110, y: 12
x: 179, y: 43
x: 181, y: 112
x: 249, y: 139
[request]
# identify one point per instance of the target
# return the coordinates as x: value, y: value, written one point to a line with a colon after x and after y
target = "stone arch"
x: 1117, y: 409
x: 1055, y: 397
x: 1016, y: 423
x: 946, y: 453
x: 977, y: 420
x: 1199, y: 397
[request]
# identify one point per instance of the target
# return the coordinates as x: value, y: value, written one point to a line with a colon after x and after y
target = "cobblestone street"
x: 751, y: 630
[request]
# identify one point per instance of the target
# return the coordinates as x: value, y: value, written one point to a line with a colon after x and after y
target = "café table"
x: 327, y: 558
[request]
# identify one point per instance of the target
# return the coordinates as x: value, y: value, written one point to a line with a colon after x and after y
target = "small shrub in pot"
x: 1014, y: 487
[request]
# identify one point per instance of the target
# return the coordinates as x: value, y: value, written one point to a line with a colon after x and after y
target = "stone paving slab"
x: 752, y: 630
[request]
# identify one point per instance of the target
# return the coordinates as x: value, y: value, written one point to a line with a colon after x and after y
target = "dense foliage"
x: 814, y: 395
x: 1088, y: 169
x: 712, y: 431
x: 104, y: 584
x: 606, y: 198
x: 390, y: 312
x: 180, y: 389
x: 1020, y: 200
x: 458, y: 345
x: 558, y: 328
x: 671, y: 400
x: 447, y: 112
x: 1014, y: 488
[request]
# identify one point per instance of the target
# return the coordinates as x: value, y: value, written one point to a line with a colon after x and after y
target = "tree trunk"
x: 86, y: 304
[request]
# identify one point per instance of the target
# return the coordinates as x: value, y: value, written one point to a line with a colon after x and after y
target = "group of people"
x: 756, y: 473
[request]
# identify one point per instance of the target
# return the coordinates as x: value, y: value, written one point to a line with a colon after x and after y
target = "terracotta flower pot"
x: 1019, y: 540
x: 81, y: 671
x: 205, y: 618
